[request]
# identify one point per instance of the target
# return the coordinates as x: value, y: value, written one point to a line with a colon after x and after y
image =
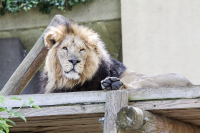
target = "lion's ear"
x: 92, y: 40
x: 49, y: 41
x: 54, y: 35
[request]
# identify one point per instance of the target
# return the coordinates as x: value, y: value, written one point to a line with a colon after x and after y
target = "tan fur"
x: 74, y: 38
x: 134, y: 80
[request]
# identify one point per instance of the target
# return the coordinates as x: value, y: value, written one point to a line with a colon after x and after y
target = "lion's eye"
x: 65, y: 48
x: 82, y: 49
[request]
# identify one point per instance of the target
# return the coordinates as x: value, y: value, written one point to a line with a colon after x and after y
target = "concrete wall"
x: 162, y: 36
x: 11, y: 55
x: 93, y: 11
x: 103, y: 16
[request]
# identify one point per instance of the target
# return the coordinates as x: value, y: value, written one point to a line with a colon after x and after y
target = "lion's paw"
x: 111, y: 83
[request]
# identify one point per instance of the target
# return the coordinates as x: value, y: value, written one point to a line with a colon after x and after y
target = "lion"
x: 78, y: 61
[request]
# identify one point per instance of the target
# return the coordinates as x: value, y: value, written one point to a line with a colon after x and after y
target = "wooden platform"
x: 81, y: 111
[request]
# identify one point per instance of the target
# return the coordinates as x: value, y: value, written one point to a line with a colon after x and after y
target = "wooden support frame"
x: 110, y: 103
x: 115, y: 100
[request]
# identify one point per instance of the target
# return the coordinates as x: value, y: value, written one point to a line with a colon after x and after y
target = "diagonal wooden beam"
x: 30, y: 65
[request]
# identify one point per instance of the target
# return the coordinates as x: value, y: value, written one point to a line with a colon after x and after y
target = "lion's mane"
x: 96, y: 68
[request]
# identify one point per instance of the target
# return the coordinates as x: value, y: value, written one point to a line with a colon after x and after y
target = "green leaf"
x: 4, y: 126
x: 9, y: 108
x: 2, y: 99
x: 31, y: 99
x: 18, y: 114
x: 16, y: 98
x: 36, y: 106
x: 83, y: 1
x: 2, y: 109
x: 10, y: 121
x: 30, y: 103
x: 2, y: 132
x: 22, y: 117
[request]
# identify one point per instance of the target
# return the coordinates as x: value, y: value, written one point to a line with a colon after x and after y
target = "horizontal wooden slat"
x: 144, y: 94
x: 167, y: 104
x: 164, y: 93
x: 81, y: 123
x: 60, y: 110
x: 59, y: 98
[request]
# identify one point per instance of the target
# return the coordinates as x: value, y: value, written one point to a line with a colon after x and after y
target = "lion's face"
x: 75, y: 54
x: 72, y: 54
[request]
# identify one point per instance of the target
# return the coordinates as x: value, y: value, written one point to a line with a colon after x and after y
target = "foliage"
x: 4, y: 127
x: 45, y: 6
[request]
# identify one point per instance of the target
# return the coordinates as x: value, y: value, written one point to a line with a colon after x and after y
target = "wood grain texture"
x: 60, y: 110
x: 164, y: 93
x: 130, y: 117
x: 167, y: 104
x: 82, y: 123
x: 29, y: 65
x: 186, y: 110
x: 161, y: 124
x: 115, y: 100
x: 100, y: 96
x: 59, y: 98
x: 79, y: 123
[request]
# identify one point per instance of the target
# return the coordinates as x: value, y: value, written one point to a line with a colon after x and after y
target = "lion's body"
x: 78, y: 61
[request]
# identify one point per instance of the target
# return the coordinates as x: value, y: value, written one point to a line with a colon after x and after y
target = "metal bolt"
x: 101, y: 120
x: 145, y: 120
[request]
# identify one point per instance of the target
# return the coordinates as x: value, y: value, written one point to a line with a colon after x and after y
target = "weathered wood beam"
x: 167, y: 104
x: 60, y: 110
x: 30, y: 65
x: 130, y: 117
x: 59, y: 98
x: 136, y: 95
x: 115, y: 100
x: 164, y: 93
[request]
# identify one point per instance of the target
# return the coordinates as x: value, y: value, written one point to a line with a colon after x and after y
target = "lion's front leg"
x: 111, y: 83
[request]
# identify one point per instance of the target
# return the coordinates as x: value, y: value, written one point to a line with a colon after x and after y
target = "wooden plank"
x: 59, y: 98
x: 71, y: 123
x: 115, y: 100
x: 100, y: 96
x: 164, y: 93
x: 60, y: 110
x: 167, y: 104
x: 29, y: 65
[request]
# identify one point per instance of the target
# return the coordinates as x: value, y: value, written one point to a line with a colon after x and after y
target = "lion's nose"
x: 74, y: 62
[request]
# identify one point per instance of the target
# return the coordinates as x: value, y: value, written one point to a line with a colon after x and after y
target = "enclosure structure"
x: 153, y: 110
x: 150, y: 110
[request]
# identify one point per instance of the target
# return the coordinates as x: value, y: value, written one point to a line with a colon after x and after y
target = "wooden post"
x: 144, y: 121
x: 30, y: 65
x: 115, y: 100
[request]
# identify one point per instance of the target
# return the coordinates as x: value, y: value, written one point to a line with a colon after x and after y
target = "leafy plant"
x: 4, y: 127
x: 45, y: 6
